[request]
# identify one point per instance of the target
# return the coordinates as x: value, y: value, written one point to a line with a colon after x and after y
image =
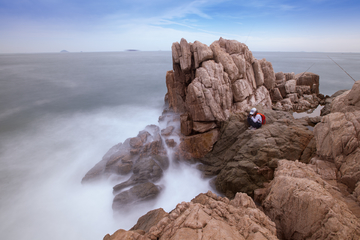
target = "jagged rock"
x: 150, y: 219
x: 185, y: 57
x: 269, y: 74
x: 186, y: 124
x: 221, y: 56
x: 290, y: 86
x: 308, y: 79
x: 208, y: 217
x: 303, y: 206
x: 236, y: 159
x: 139, y: 193
x: 240, y: 63
x: 276, y: 95
x: 202, y: 127
x: 198, y: 145
x: 170, y: 143
x: 241, y: 90
x: 167, y: 131
x: 259, y: 76
x: 176, y: 92
x: 145, y: 169
x: 201, y: 53
x: 209, y: 95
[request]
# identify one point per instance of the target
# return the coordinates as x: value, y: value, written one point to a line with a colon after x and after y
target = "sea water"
x: 61, y: 112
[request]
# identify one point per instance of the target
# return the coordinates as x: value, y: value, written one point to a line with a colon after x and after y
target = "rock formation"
x: 306, y: 182
x: 207, y: 216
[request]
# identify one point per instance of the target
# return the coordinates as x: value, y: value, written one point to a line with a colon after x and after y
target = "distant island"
x: 64, y: 51
x: 132, y: 50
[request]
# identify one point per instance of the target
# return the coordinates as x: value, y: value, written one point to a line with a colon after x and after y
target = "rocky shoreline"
x: 282, y: 181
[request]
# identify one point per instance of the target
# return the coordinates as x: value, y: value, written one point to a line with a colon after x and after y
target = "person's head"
x: 253, y: 111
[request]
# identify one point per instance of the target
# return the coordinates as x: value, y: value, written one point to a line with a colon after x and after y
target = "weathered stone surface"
x: 221, y: 56
x: 208, y: 217
x: 150, y: 219
x: 198, y: 145
x: 201, y: 53
x: 170, y: 143
x: 303, y: 207
x: 240, y: 63
x: 258, y: 73
x: 186, y: 124
x: 269, y: 74
x: 240, y: 156
x: 185, y: 57
x: 167, y: 131
x: 241, y: 90
x: 290, y: 86
x: 209, y: 96
x: 139, y: 193
x: 145, y: 169
x: 276, y: 95
x: 175, y: 92
x: 203, y: 126
x: 308, y: 79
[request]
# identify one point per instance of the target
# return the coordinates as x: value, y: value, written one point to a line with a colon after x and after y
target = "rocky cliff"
x: 305, y: 183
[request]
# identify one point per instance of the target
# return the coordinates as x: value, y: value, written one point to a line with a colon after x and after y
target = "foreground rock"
x: 207, y: 216
x: 303, y: 205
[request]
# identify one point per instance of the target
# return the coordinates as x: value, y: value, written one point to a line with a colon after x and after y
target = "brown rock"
x: 176, y: 91
x: 201, y: 53
x: 221, y: 56
x: 302, y: 206
x: 269, y: 74
x: 259, y: 76
x: 200, y: 144
x: 170, y: 143
x: 203, y: 126
x: 276, y: 95
x: 139, y: 193
x: 308, y: 79
x: 241, y: 90
x: 185, y: 57
x: 210, y: 217
x: 152, y: 218
x: 186, y: 124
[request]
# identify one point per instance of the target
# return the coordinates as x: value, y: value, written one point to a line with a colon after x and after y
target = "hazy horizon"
x: 42, y: 26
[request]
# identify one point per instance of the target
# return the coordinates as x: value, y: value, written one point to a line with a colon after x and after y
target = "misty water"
x: 61, y: 112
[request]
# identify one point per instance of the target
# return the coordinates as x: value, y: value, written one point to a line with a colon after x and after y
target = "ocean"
x: 61, y: 112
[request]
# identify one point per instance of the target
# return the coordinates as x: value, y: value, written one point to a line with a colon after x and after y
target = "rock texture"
x: 303, y: 205
x: 225, y: 78
x: 207, y: 216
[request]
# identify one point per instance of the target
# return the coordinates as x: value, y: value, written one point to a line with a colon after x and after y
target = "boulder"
x: 290, y: 86
x: 241, y: 90
x: 207, y: 216
x: 175, y: 92
x: 303, y: 207
x: 240, y: 63
x: 308, y: 79
x: 185, y: 57
x: 137, y: 194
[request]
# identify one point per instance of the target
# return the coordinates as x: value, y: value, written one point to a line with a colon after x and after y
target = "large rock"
x: 308, y: 79
x: 201, y: 53
x: 208, y: 217
x: 221, y: 56
x: 137, y: 194
x: 303, y: 207
x: 269, y: 74
x: 259, y: 76
x: 209, y: 96
x: 244, y: 160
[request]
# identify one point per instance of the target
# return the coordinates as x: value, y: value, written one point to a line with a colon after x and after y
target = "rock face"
x: 208, y: 83
x: 243, y: 160
x: 337, y: 136
x: 140, y: 160
x: 302, y: 205
x: 207, y: 216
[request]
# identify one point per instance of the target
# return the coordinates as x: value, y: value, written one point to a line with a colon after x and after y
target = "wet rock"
x: 139, y: 193
x: 170, y: 143
x: 145, y: 169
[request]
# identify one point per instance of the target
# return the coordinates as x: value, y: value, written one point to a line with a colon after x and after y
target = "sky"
x: 36, y: 26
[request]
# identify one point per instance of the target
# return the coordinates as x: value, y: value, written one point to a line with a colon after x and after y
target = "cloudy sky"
x: 151, y: 25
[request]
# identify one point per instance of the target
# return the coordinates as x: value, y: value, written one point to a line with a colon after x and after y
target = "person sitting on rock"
x: 254, y: 119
